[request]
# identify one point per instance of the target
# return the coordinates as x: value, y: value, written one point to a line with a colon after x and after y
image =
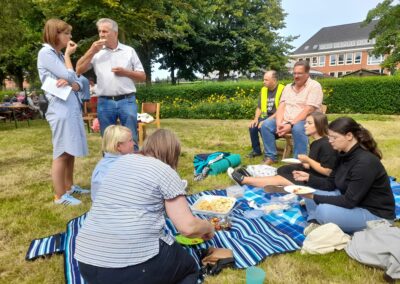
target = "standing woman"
x: 64, y: 117
x: 358, y: 189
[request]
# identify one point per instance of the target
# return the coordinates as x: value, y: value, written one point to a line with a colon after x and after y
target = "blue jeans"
x: 349, y: 220
x: 255, y: 141
x: 108, y: 111
x: 268, y: 131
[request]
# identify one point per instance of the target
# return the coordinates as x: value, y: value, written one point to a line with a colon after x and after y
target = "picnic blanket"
x: 251, y: 240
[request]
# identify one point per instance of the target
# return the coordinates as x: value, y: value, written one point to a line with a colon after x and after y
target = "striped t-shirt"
x: 127, y: 218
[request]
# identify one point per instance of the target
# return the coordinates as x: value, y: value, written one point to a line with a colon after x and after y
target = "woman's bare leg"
x: 69, y: 172
x: 58, y: 170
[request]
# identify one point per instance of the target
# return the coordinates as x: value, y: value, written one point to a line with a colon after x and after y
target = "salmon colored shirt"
x: 295, y: 103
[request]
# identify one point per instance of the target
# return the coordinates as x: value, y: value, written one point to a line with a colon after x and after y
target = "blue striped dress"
x: 64, y: 117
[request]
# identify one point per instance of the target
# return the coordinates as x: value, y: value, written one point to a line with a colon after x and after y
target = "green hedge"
x: 233, y: 100
x: 379, y: 95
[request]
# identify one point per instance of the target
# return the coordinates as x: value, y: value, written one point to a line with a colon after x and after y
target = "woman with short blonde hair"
x: 117, y: 141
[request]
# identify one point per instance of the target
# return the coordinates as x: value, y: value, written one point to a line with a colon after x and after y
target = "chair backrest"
x: 89, y: 107
x: 152, y: 109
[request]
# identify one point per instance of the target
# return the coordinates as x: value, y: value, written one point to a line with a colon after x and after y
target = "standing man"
x: 117, y: 67
x: 268, y: 103
x: 298, y: 100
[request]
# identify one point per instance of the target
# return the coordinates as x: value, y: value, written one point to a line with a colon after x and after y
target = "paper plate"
x: 188, y: 241
x: 291, y: 161
x: 298, y: 189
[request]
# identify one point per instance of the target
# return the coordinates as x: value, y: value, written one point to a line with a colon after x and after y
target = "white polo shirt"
x: 109, y: 84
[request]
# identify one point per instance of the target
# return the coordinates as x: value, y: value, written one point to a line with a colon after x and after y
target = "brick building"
x: 340, y: 50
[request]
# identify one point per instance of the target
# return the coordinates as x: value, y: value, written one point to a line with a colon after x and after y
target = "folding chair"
x: 154, y: 110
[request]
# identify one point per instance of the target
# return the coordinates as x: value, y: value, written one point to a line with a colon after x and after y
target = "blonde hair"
x: 113, y: 135
x: 52, y: 28
x: 164, y: 146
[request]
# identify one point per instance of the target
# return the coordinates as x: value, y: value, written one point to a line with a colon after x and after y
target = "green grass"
x: 27, y: 211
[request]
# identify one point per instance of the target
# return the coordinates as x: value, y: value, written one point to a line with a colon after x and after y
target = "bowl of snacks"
x: 219, y: 206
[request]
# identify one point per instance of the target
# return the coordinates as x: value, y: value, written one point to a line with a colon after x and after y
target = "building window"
x: 374, y: 60
x: 300, y: 59
x: 322, y: 60
x: 349, y: 58
x: 339, y: 74
x: 332, y: 60
x: 332, y: 74
x: 314, y: 61
x: 308, y: 59
x: 340, y: 59
x: 357, y: 58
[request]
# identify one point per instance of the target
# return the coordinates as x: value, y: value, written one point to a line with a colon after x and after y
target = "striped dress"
x: 127, y: 218
x: 64, y: 117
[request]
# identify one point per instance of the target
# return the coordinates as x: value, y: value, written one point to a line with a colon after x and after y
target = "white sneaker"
x: 311, y: 227
x: 77, y: 189
x: 67, y: 199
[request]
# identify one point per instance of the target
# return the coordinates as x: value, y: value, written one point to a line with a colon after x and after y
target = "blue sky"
x: 306, y: 17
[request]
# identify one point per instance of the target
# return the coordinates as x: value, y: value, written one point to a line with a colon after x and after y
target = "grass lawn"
x: 27, y: 211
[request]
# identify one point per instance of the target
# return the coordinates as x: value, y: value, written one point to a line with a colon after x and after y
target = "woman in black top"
x: 358, y: 189
x: 321, y: 159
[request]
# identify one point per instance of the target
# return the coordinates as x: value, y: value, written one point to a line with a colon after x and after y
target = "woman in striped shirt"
x: 123, y: 238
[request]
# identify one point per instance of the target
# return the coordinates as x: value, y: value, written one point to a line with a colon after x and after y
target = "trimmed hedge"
x: 233, y: 100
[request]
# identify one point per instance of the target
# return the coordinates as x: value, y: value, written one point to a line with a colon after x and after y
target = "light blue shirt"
x: 100, y: 171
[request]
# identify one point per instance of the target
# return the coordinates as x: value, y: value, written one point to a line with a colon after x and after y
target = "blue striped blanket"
x: 251, y: 240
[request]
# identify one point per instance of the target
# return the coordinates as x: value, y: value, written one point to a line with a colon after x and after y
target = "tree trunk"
x: 221, y: 75
x: 145, y: 57
x: 173, y: 79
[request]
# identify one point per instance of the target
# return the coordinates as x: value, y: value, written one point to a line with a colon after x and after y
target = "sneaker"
x: 244, y: 172
x: 311, y: 227
x: 78, y: 190
x: 235, y: 176
x: 67, y: 199
x: 268, y: 161
x: 253, y: 154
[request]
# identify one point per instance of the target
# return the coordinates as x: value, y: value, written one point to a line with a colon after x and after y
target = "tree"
x: 386, y: 32
x: 243, y: 36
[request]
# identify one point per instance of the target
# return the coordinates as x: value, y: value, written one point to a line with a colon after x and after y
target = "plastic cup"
x: 255, y: 275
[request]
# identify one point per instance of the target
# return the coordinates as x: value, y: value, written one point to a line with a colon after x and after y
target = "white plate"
x: 291, y: 161
x: 230, y: 203
x: 304, y: 189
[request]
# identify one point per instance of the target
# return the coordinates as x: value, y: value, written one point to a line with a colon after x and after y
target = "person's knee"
x: 323, y: 213
x: 268, y: 126
x: 298, y: 129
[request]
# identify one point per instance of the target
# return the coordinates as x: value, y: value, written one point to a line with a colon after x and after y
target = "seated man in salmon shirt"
x: 298, y: 100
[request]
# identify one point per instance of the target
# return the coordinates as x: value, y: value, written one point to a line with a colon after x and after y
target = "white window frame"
x: 321, y: 63
x: 376, y: 61
x: 351, y: 62
x: 355, y: 56
x: 338, y: 61
x: 330, y: 60
x: 314, y: 64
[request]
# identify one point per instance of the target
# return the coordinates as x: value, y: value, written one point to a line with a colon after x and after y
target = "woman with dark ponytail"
x: 358, y: 189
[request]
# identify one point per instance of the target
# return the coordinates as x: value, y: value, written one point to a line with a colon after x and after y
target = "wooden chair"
x: 289, y: 139
x: 154, y: 110
x: 89, y: 113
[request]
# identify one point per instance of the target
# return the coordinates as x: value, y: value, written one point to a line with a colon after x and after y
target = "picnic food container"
x: 219, y: 206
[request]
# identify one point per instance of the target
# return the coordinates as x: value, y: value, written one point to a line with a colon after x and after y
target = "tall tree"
x: 243, y: 36
x: 386, y: 32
